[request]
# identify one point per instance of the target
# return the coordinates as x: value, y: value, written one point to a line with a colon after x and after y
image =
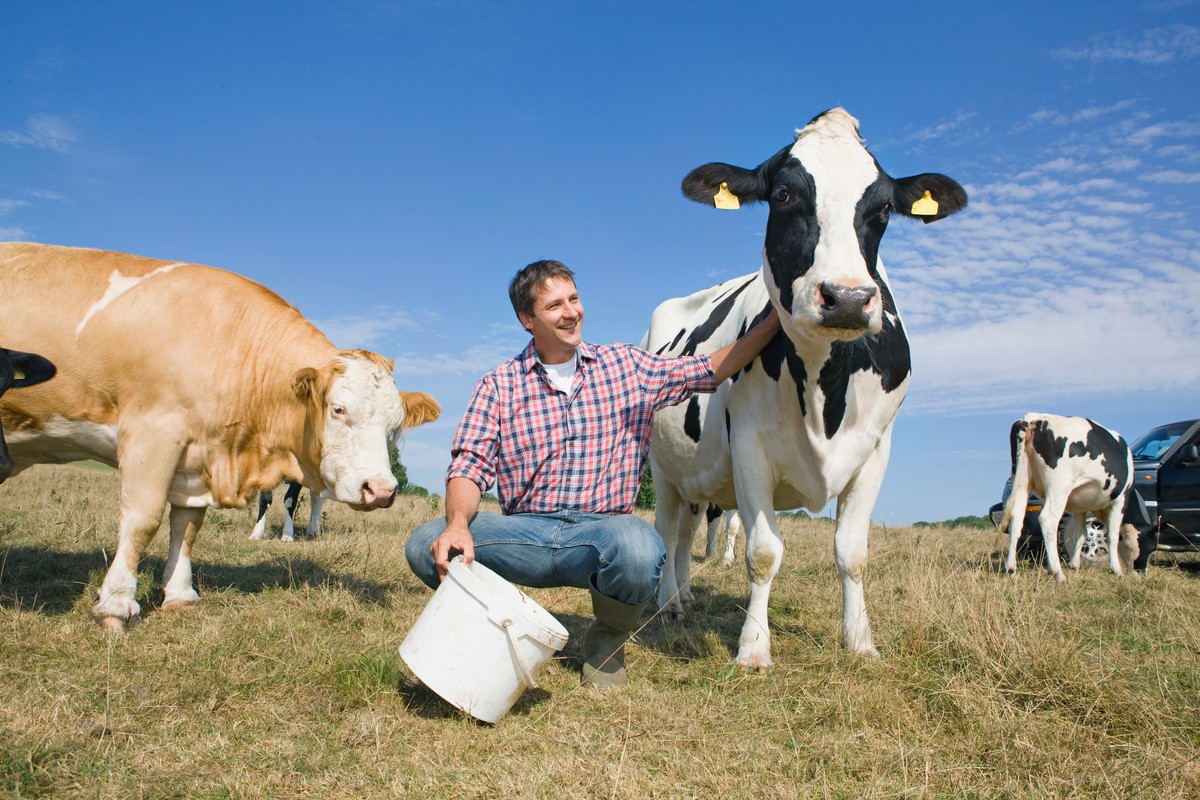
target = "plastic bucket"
x: 481, y: 641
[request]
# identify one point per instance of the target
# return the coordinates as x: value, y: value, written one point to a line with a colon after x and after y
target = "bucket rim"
x: 461, y: 572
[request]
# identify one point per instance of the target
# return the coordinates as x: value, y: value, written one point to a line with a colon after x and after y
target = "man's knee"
x: 416, y: 550
x: 639, y: 548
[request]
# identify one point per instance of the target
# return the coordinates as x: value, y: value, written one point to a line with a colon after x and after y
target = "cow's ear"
x: 704, y: 184
x: 30, y: 369
x: 928, y: 196
x: 419, y: 408
x: 306, y: 384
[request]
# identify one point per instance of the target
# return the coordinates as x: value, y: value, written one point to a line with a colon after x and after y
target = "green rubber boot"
x: 604, y: 666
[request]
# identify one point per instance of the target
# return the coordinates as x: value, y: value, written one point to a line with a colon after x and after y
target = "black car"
x: 1166, y: 474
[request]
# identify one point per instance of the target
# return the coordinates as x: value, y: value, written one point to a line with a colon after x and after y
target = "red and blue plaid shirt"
x: 582, y: 451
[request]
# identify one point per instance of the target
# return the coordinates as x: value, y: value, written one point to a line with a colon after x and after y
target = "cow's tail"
x: 1018, y: 497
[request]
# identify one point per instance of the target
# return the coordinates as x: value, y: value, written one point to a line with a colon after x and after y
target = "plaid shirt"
x: 583, y: 451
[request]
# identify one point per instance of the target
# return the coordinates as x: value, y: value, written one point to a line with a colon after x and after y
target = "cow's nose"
x: 378, y: 493
x: 846, y: 306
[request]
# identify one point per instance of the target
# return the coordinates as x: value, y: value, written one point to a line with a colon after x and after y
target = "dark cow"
x: 811, y: 418
x: 1076, y: 466
x: 19, y: 369
x: 290, y: 498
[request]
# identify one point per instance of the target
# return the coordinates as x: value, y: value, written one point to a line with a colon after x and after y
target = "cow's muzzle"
x: 377, y: 494
x: 846, y: 306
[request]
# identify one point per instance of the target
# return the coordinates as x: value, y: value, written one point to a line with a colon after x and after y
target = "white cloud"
x: 1150, y: 47
x: 367, y: 330
x: 44, y: 132
x: 7, y: 205
x: 14, y: 234
x: 1172, y: 176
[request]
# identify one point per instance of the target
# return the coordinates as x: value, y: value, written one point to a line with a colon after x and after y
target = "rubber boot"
x: 604, y: 666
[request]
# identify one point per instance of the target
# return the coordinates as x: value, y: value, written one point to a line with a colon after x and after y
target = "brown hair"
x: 532, y: 277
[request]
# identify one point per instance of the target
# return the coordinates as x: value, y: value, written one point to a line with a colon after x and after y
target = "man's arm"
x: 462, y: 503
x: 731, y: 358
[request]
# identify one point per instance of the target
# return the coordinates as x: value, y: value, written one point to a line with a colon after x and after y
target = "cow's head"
x: 19, y: 369
x: 830, y: 203
x: 353, y: 409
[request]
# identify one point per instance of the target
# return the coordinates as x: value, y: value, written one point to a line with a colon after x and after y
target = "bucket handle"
x: 507, y: 625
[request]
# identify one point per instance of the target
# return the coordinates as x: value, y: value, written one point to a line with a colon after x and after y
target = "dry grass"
x: 285, y: 681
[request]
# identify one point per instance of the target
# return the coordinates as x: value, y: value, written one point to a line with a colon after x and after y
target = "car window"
x: 1156, y: 442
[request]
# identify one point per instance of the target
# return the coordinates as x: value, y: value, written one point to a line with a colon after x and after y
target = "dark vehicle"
x: 1166, y: 472
x: 1032, y: 545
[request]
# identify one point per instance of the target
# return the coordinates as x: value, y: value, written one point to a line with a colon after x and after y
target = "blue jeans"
x: 620, y: 555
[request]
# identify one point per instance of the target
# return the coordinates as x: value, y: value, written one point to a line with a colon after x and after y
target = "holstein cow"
x: 811, y: 417
x: 715, y: 517
x: 201, y: 386
x: 1074, y: 465
x: 290, y: 498
x: 18, y: 370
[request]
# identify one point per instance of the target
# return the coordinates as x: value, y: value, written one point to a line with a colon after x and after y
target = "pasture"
x: 285, y: 681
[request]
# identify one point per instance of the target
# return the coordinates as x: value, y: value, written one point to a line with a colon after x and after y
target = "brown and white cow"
x: 201, y: 386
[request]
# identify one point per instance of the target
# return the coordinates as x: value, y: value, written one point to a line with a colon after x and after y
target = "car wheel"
x: 1095, y: 543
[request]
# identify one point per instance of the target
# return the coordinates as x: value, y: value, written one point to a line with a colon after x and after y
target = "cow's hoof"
x: 671, y: 614
x: 113, y: 624
x: 759, y: 664
x: 183, y: 601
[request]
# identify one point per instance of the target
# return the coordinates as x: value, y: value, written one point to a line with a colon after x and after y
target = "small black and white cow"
x: 290, y: 498
x: 811, y: 417
x: 1074, y: 465
x: 17, y: 370
x: 716, y: 518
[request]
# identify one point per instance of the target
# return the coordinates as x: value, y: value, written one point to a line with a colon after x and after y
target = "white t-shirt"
x: 561, y: 375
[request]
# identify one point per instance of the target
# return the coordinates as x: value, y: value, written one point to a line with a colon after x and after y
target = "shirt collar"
x: 528, y: 358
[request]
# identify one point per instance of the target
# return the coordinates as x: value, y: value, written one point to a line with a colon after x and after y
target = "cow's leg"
x: 289, y: 511
x: 260, y: 528
x: 1052, y: 511
x: 1112, y: 526
x: 854, y: 507
x: 668, y: 508
x: 1077, y: 531
x: 177, y: 574
x: 713, y: 517
x: 148, y: 457
x: 733, y: 524
x: 315, y: 502
x: 689, y: 521
x: 764, y: 553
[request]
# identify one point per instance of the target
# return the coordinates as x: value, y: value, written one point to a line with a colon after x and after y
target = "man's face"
x: 556, y: 322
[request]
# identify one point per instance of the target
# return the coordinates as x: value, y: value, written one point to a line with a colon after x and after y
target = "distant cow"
x: 201, y: 386
x: 715, y: 517
x: 811, y: 417
x: 1074, y: 465
x: 290, y: 498
x: 18, y: 370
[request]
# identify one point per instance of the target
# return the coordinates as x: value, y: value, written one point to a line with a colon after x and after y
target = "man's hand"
x: 453, y: 540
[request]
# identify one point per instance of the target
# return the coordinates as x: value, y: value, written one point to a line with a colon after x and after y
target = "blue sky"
x: 387, y: 167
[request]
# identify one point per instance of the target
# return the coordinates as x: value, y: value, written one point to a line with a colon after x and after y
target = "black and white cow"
x: 1074, y: 465
x: 17, y: 370
x: 716, y: 518
x: 811, y: 417
x: 290, y: 498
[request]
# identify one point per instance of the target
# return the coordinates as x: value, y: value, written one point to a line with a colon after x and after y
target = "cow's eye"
x: 781, y: 195
x: 338, y: 411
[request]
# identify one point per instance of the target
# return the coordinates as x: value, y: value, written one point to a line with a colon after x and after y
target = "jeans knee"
x: 635, y: 555
x: 416, y: 550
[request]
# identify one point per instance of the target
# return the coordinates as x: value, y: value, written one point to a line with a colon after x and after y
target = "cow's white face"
x: 829, y: 206
x: 362, y: 410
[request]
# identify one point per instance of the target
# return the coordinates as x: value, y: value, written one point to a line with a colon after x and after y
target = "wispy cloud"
x: 44, y: 132
x: 369, y: 329
x: 14, y: 234
x: 7, y: 205
x: 1150, y: 47
x: 1061, y: 280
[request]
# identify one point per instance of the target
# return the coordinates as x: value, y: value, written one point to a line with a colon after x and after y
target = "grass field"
x: 285, y: 682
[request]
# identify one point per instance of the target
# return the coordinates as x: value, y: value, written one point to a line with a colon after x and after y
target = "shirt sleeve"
x: 673, y: 379
x: 477, y: 439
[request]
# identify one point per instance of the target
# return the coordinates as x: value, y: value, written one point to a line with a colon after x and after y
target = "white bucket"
x: 481, y: 641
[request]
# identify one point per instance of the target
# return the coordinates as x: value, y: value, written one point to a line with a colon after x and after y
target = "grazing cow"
x: 811, y: 417
x: 732, y: 521
x: 17, y: 370
x: 290, y: 498
x: 201, y: 386
x: 1074, y: 465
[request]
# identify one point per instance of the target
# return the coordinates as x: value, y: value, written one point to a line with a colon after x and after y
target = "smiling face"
x: 556, y: 322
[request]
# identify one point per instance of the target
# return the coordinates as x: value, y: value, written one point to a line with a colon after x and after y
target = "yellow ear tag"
x: 926, y: 206
x: 725, y: 198
x: 18, y: 375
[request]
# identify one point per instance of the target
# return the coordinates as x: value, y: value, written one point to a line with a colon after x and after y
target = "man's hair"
x: 530, y: 279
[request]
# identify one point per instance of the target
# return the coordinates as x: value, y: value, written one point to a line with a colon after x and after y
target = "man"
x: 563, y: 429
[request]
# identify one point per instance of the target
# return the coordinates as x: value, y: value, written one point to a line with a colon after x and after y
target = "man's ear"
x: 525, y: 320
